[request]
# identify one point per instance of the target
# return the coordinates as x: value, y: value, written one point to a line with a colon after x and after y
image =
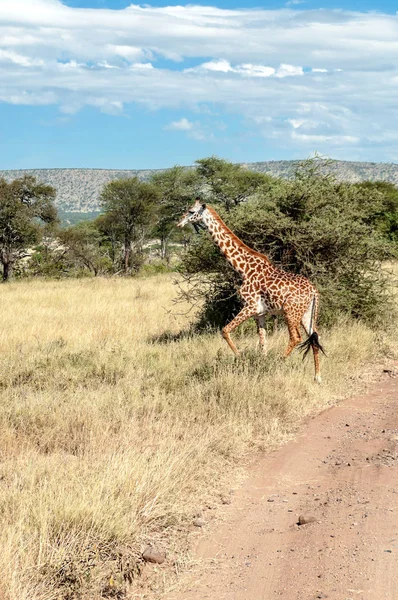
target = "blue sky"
x: 108, y: 84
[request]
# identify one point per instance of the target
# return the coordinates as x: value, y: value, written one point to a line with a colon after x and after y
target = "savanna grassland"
x: 116, y: 431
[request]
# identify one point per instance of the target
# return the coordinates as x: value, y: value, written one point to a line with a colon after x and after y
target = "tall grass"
x: 114, y: 429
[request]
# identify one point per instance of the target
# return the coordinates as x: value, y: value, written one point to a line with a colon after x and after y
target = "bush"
x: 311, y: 225
x: 154, y: 268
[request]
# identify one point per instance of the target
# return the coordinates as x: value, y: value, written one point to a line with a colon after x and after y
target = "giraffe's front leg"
x: 261, y: 333
x: 245, y: 313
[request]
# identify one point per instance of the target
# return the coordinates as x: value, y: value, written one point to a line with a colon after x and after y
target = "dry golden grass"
x: 112, y: 435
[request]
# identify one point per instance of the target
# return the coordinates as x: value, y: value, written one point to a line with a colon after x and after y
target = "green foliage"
x: 26, y: 210
x: 86, y: 248
x: 47, y: 260
x: 313, y: 225
x: 381, y: 199
x: 227, y: 183
x: 155, y: 268
x: 129, y: 207
x: 73, y: 218
x: 77, y: 251
x: 177, y: 187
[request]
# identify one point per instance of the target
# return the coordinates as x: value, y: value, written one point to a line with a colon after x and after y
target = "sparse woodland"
x: 337, y: 234
x: 123, y: 413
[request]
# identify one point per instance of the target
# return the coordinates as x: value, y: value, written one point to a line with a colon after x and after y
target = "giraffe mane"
x: 237, y: 240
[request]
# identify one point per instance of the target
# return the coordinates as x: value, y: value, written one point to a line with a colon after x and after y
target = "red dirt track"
x: 341, y: 471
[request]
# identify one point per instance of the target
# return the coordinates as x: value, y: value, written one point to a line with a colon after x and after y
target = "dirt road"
x: 341, y: 473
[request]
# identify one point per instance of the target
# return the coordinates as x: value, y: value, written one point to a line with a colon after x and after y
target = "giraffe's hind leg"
x: 294, y: 333
x: 318, y: 377
x: 308, y: 321
x: 300, y: 339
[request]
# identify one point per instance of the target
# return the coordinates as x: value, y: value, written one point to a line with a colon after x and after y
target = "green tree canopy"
x: 227, y: 183
x: 26, y: 208
x: 177, y: 189
x: 129, y: 204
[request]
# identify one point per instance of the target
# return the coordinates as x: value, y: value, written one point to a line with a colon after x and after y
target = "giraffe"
x: 265, y: 288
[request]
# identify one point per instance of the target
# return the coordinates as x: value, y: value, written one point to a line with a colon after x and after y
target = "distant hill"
x: 78, y: 190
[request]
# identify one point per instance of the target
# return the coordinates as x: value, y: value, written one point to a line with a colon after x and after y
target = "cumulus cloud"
x: 248, y: 63
x: 221, y: 65
x: 194, y: 130
x: 182, y: 125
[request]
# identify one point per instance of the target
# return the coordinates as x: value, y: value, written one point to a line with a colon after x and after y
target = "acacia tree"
x: 26, y: 208
x: 227, y: 183
x: 110, y: 233
x: 177, y: 188
x: 130, y: 205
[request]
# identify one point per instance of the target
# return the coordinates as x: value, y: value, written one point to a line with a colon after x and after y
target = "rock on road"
x: 340, y: 475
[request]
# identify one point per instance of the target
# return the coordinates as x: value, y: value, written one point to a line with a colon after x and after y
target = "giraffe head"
x: 194, y: 215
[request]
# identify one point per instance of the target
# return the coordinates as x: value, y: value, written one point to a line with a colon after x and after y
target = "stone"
x: 199, y: 523
x: 225, y: 500
x: 304, y: 519
x: 152, y: 555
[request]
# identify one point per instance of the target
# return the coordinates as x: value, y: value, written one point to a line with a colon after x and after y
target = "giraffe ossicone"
x: 265, y: 288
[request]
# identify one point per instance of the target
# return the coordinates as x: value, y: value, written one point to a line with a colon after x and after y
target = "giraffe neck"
x: 240, y: 256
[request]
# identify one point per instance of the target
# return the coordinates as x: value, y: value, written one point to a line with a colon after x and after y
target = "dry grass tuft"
x: 114, y: 428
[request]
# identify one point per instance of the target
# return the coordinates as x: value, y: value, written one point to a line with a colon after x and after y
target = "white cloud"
x: 296, y: 123
x: 142, y: 66
x: 73, y: 65
x: 255, y: 70
x: 247, y: 69
x: 106, y: 65
x: 248, y: 65
x: 48, y: 28
x: 321, y: 139
x: 289, y: 71
x: 194, y: 130
x: 215, y: 65
x: 129, y: 52
x: 182, y: 125
x: 18, y: 59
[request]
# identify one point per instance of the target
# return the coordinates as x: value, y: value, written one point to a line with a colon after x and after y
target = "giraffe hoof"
x: 318, y: 379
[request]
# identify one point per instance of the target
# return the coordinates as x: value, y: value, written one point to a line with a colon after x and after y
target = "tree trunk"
x: 164, y: 248
x: 6, y: 270
x: 127, y: 250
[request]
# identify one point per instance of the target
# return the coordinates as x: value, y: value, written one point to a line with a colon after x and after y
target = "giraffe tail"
x: 311, y: 342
